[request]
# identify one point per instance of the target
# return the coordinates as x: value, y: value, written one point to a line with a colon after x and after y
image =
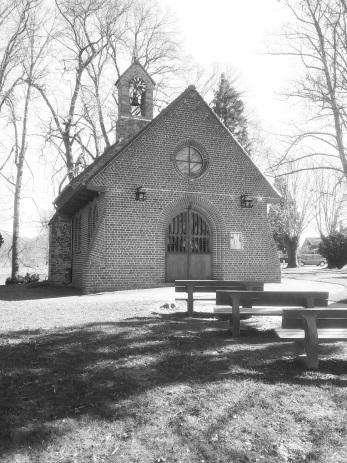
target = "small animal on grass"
x: 168, y: 306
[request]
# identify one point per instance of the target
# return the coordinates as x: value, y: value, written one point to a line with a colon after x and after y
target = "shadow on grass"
x: 31, y: 292
x: 89, y: 370
x: 340, y: 277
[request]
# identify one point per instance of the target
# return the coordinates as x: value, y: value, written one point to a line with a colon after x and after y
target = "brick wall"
x: 60, y: 250
x: 127, y: 127
x: 88, y: 233
x: 128, y: 246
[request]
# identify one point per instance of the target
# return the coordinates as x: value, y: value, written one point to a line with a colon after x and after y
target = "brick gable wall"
x: 129, y: 244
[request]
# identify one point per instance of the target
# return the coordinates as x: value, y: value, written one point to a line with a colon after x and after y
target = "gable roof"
x: 272, y: 187
x: 113, y: 151
x: 135, y: 64
x: 312, y: 241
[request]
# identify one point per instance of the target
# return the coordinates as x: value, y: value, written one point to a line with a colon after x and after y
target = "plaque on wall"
x: 235, y: 240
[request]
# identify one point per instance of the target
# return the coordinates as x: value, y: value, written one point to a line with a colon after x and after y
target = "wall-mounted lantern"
x: 140, y: 194
x: 246, y: 201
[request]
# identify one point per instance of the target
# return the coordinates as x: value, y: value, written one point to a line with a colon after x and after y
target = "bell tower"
x: 135, y: 100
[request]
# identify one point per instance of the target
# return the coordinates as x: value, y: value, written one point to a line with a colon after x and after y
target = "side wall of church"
x: 59, y: 268
x: 83, y: 237
x: 129, y: 245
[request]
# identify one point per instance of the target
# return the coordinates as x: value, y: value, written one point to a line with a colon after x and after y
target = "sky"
x: 232, y: 35
x: 237, y: 35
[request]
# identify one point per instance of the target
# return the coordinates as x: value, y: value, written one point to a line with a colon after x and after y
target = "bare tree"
x: 14, y: 17
x: 151, y: 36
x: 111, y: 25
x: 205, y: 80
x: 33, y: 47
x: 97, y: 40
x: 318, y: 38
x: 328, y: 198
x: 289, y: 218
x: 83, y: 44
x: 139, y: 30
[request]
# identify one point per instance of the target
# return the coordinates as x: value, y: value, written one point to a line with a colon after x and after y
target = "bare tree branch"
x: 304, y: 169
x: 318, y: 38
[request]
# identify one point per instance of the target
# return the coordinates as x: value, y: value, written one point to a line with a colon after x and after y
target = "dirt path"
x: 312, y: 275
x: 24, y: 308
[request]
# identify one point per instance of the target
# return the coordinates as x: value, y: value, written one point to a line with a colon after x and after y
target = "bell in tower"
x: 135, y: 100
x: 137, y: 96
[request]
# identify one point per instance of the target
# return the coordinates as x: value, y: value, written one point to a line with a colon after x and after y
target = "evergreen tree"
x: 227, y: 104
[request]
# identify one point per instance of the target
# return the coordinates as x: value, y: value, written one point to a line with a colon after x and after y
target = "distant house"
x: 309, y: 253
x: 176, y: 197
x: 310, y: 245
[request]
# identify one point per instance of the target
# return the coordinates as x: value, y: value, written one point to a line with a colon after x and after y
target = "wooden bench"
x: 264, y: 303
x: 210, y: 286
x: 313, y: 326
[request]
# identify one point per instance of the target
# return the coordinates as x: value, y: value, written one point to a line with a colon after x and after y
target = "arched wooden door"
x: 188, y: 247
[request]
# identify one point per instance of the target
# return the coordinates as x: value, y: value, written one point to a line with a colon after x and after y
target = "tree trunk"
x: 68, y: 155
x: 291, y: 245
x: 101, y: 116
x: 15, y: 228
x: 331, y: 87
x: 18, y: 187
x: 331, y: 263
x: 67, y: 137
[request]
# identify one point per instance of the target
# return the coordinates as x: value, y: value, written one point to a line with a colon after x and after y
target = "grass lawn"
x: 150, y: 385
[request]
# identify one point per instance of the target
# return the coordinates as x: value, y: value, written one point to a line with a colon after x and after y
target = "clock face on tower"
x: 137, y: 90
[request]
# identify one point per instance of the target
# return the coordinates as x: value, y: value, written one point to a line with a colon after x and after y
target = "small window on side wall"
x: 90, y: 225
x: 95, y: 217
x: 74, y: 235
x: 92, y: 222
x: 77, y: 234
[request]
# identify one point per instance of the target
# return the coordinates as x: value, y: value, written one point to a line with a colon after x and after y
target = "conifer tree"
x: 228, y: 105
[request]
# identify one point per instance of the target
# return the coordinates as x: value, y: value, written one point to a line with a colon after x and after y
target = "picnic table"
x: 264, y: 303
x: 210, y: 287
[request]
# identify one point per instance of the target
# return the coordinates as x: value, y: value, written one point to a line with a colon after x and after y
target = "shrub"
x: 31, y: 278
x: 19, y: 279
x: 334, y: 248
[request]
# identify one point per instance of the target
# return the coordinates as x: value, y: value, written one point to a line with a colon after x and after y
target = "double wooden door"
x: 188, y: 247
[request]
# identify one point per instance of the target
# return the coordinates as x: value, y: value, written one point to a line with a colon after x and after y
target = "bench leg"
x: 190, y: 306
x: 190, y: 300
x: 230, y: 321
x: 311, y: 341
x: 299, y: 347
x: 235, y: 317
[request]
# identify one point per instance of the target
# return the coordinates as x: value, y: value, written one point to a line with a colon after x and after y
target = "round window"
x: 189, y: 161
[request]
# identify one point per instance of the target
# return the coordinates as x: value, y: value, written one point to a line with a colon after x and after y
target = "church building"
x: 176, y: 197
